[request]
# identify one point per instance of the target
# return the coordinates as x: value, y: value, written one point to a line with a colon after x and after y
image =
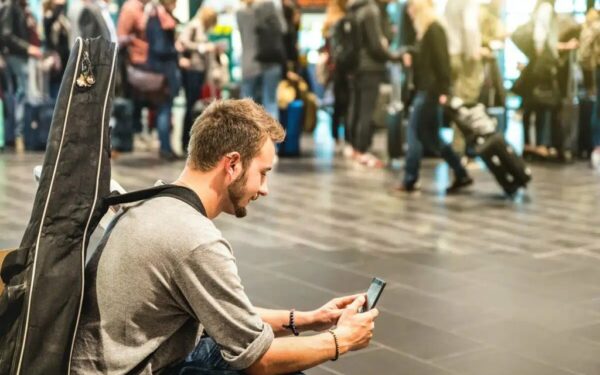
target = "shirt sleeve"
x: 439, y: 46
x: 375, y: 41
x: 208, y: 279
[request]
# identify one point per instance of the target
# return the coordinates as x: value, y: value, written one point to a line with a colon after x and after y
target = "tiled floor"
x: 477, y: 284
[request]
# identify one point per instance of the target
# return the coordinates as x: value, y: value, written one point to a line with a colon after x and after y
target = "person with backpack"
x: 262, y: 27
x: 432, y: 75
x: 367, y: 52
x: 164, y: 275
x: 336, y: 74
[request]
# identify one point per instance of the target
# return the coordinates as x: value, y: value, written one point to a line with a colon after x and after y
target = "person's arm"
x: 374, y: 40
x: 320, y: 319
x: 291, y: 354
x: 439, y: 49
x: 8, y: 37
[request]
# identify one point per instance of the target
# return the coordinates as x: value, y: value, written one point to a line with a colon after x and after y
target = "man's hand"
x: 443, y: 99
x: 355, y: 329
x: 327, y: 316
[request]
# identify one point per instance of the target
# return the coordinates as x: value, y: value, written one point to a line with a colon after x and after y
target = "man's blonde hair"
x: 231, y: 125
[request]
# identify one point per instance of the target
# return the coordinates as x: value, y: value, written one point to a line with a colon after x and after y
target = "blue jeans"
x: 206, y: 359
x: 596, y: 112
x: 263, y: 88
x: 163, y: 125
x: 192, y: 83
x: 17, y: 67
x: 424, y: 132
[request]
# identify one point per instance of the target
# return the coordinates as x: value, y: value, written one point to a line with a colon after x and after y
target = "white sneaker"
x: 348, y: 151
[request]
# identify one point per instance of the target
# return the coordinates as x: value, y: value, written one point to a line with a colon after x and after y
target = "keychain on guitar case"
x: 86, y: 78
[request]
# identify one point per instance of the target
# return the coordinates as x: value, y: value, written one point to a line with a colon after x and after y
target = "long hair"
x: 424, y: 14
x: 336, y: 9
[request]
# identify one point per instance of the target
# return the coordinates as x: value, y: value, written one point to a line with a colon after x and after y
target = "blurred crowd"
x: 398, y: 67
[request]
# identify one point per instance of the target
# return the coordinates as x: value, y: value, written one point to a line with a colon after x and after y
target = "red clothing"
x: 132, y: 24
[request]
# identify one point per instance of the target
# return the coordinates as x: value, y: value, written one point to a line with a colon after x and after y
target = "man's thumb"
x: 357, y: 303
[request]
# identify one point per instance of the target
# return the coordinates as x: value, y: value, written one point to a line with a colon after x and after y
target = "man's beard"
x: 236, y: 193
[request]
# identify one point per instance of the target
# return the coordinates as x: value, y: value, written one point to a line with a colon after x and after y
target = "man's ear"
x: 233, y: 165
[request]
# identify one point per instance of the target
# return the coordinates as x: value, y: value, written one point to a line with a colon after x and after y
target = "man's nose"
x: 264, y: 189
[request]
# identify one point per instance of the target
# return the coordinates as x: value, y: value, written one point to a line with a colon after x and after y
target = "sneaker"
x: 348, y: 152
x: 370, y: 161
x: 168, y: 156
x: 407, y: 189
x: 459, y: 184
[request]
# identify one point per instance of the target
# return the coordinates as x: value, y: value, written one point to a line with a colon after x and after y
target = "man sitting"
x: 163, y: 274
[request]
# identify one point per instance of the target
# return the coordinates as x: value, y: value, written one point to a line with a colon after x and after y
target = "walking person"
x: 431, y: 64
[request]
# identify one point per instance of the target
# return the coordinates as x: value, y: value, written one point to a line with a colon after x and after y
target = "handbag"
x: 146, y: 84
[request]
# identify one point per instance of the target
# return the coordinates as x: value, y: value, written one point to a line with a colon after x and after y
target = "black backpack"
x: 41, y: 304
x: 346, y: 41
x: 269, y: 36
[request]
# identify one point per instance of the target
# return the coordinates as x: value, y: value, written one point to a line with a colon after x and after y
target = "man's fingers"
x: 357, y: 303
x: 342, y: 302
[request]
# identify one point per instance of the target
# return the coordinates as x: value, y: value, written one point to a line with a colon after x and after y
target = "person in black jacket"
x: 370, y: 73
x: 19, y: 41
x: 56, y: 32
x: 431, y: 64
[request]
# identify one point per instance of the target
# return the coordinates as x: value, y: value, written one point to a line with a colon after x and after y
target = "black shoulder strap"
x: 182, y: 193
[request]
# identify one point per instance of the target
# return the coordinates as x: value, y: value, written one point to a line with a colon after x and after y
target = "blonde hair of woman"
x: 423, y: 14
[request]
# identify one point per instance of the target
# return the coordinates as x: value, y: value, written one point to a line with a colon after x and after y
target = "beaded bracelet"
x: 292, y: 325
x: 337, y: 346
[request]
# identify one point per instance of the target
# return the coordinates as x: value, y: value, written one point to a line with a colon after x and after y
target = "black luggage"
x: 473, y: 122
x: 41, y: 304
x: 480, y: 133
x: 122, y: 130
x: 36, y: 125
x: 501, y: 159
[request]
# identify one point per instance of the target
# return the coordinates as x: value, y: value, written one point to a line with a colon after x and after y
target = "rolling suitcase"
x: 36, y: 125
x: 501, y: 159
x: 122, y: 129
x: 292, y: 121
